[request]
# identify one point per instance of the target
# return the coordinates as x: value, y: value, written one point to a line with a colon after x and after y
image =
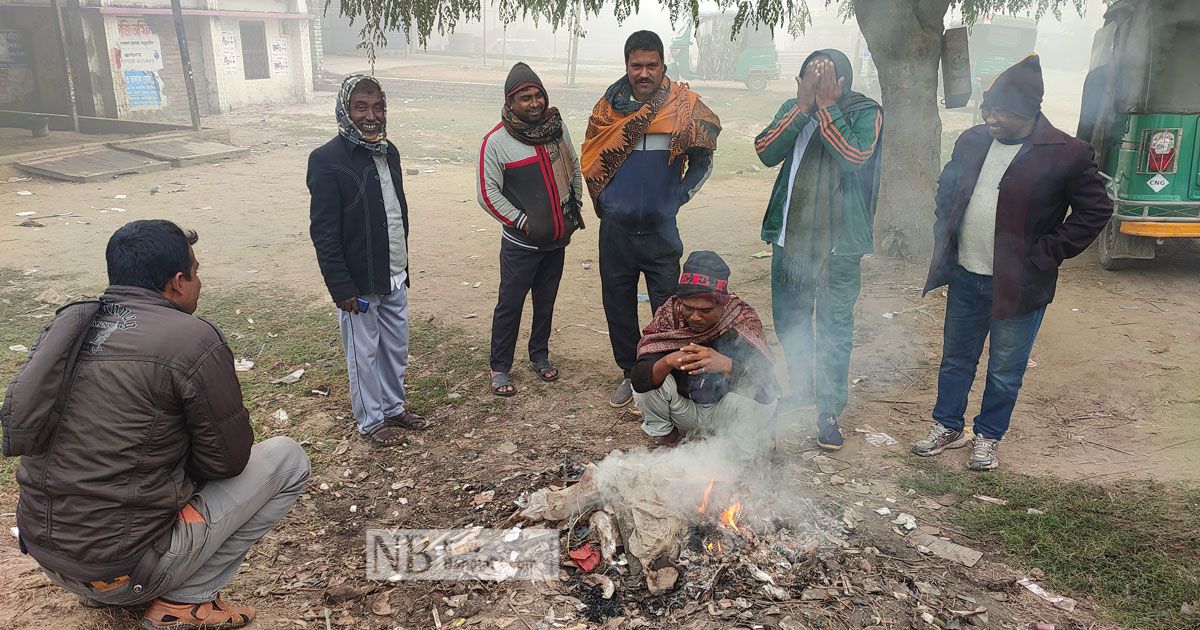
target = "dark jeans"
x: 968, y: 323
x: 623, y: 258
x: 523, y: 271
x: 814, y: 321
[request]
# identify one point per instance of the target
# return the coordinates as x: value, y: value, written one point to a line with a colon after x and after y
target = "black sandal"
x: 544, y: 367
x: 500, y: 381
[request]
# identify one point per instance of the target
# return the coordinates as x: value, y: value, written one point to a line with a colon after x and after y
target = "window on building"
x: 255, y: 62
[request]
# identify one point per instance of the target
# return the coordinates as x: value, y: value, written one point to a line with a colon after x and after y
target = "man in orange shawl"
x: 647, y: 151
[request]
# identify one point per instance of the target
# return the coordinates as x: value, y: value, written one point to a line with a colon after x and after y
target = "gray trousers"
x: 210, y: 540
x: 376, y: 344
x: 741, y: 419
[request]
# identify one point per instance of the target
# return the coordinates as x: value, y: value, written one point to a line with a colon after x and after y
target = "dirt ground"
x: 1110, y: 394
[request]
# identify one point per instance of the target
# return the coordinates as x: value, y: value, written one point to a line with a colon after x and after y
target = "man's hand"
x: 705, y: 360
x: 806, y: 91
x: 675, y: 360
x: 350, y: 305
x: 829, y: 88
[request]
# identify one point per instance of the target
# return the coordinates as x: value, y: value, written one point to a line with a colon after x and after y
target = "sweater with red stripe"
x: 852, y: 140
x: 534, y: 191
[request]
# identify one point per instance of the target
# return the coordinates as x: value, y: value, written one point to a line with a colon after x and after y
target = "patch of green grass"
x: 1134, y: 546
x: 281, y: 333
x: 287, y: 334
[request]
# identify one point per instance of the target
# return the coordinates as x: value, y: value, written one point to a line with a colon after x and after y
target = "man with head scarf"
x: 819, y: 222
x: 529, y: 180
x: 1000, y: 233
x: 703, y: 365
x: 359, y: 226
x: 641, y: 135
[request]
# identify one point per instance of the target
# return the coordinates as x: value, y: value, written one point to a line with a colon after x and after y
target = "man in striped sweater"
x: 818, y: 222
x: 529, y: 180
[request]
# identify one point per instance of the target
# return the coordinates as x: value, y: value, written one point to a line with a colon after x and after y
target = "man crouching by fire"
x: 703, y: 364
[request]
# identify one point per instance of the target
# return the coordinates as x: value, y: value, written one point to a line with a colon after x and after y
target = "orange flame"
x: 704, y: 504
x: 728, y: 517
x: 720, y: 552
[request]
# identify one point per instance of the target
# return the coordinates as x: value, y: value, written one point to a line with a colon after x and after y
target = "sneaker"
x: 829, y: 436
x: 939, y: 439
x: 623, y: 395
x: 983, y: 454
x: 214, y: 614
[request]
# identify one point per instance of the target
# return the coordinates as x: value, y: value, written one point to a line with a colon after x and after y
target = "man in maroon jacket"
x: 1000, y: 234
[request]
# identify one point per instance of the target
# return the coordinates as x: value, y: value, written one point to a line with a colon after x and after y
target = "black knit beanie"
x: 703, y: 272
x: 520, y: 77
x: 1018, y: 89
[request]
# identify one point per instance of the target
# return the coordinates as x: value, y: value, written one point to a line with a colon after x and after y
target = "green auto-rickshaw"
x: 997, y: 43
x: 706, y: 52
x: 1141, y: 112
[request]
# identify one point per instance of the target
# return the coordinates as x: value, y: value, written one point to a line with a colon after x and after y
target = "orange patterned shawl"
x: 611, y: 136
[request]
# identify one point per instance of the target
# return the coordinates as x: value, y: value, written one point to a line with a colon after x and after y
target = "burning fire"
x: 704, y: 503
x: 729, y: 516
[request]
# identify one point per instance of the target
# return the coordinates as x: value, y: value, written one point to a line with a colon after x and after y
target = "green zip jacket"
x: 852, y: 140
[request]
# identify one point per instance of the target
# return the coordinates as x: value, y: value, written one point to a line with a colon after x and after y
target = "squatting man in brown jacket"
x: 139, y: 478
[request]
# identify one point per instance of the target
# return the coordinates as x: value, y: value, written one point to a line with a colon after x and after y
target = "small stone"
x: 508, y: 448
x: 341, y: 593
x: 837, y: 480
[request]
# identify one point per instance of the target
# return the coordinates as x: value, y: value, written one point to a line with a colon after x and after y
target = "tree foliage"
x: 421, y: 18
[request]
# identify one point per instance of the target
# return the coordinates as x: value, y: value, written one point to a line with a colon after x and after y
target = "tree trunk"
x: 905, y: 39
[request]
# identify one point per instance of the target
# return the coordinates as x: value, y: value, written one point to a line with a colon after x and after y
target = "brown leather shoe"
x: 207, y: 616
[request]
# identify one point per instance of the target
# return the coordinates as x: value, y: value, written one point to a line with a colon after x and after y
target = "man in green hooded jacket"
x: 818, y: 222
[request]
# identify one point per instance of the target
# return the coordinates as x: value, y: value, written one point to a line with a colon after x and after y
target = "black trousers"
x: 623, y: 258
x: 523, y: 271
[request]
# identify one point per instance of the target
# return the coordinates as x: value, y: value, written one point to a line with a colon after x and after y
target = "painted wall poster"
x: 140, y: 49
x: 143, y: 89
x: 279, y: 55
x: 16, y: 80
x: 230, y: 57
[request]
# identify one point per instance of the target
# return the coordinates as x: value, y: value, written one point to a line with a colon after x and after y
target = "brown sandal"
x: 407, y: 420
x: 207, y: 616
x: 384, y: 435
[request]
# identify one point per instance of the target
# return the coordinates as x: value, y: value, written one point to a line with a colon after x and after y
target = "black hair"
x: 644, y: 40
x: 148, y: 254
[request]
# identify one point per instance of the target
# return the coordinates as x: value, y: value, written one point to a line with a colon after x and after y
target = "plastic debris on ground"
x: 587, y: 557
x: 1058, y: 601
x: 294, y: 377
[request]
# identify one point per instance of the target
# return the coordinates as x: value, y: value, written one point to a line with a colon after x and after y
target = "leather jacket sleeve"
x: 217, y: 422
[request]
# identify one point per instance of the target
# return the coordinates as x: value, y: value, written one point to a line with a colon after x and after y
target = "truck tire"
x: 757, y: 82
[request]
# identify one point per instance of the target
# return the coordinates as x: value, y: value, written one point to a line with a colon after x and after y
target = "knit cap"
x: 1018, y: 89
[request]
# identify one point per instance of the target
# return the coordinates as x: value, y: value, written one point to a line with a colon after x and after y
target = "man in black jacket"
x: 141, y: 482
x: 359, y: 226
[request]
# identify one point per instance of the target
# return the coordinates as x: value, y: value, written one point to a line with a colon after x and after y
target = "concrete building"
x: 125, y: 61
